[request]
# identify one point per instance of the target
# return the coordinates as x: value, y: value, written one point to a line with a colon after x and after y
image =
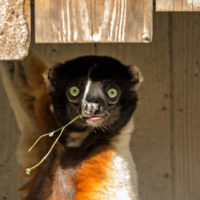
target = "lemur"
x: 92, y: 160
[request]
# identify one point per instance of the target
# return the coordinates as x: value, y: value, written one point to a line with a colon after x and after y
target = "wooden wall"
x: 166, y: 142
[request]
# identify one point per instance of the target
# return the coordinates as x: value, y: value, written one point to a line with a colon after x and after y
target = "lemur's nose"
x: 91, y: 108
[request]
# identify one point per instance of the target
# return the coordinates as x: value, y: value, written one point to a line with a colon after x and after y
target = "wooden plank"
x: 168, y: 4
x: 82, y: 21
x: 186, y: 108
x: 161, y: 6
x: 151, y: 139
x: 177, y: 5
x: 164, y: 5
x: 14, y: 29
x: 148, y: 28
x: 196, y: 5
x: 187, y: 5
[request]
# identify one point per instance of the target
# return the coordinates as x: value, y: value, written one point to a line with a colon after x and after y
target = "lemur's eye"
x: 112, y: 93
x: 74, y: 91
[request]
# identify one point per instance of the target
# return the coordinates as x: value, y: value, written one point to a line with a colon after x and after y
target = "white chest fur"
x: 123, y: 184
x: 123, y: 180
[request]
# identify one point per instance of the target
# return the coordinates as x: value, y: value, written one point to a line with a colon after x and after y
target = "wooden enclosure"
x: 166, y: 141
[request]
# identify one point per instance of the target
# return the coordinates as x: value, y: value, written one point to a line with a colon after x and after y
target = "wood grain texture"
x: 14, y: 29
x: 177, y: 5
x: 84, y: 21
x: 185, y: 120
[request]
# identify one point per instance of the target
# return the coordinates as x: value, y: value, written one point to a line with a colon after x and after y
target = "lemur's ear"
x: 55, y: 74
x: 137, y: 77
x: 45, y: 76
x: 49, y: 76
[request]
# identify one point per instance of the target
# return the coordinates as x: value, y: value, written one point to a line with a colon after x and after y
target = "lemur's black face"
x: 97, y: 101
x: 101, y: 89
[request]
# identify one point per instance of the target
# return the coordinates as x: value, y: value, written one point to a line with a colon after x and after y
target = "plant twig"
x: 44, y: 135
x: 28, y: 170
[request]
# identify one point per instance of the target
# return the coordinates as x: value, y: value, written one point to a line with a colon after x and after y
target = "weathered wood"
x: 177, y: 5
x: 84, y: 21
x: 151, y: 142
x: 185, y: 133
x: 14, y: 29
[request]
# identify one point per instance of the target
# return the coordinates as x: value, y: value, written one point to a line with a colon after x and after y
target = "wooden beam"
x: 14, y: 29
x: 177, y: 5
x: 84, y: 21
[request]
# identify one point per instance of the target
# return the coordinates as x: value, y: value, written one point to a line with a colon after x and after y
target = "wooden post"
x: 14, y: 29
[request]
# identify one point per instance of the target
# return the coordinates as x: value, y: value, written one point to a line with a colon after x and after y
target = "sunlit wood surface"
x: 14, y: 29
x: 82, y: 21
x: 177, y: 5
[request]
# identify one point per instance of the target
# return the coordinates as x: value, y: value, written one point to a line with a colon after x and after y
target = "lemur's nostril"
x: 91, y: 108
x: 95, y: 109
x: 86, y: 107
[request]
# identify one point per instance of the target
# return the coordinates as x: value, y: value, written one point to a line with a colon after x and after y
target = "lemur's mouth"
x: 94, y: 120
x: 94, y: 117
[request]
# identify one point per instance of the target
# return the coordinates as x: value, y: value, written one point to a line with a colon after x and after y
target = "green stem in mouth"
x: 28, y: 170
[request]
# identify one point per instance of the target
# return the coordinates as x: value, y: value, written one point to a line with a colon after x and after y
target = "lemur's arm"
x: 29, y: 99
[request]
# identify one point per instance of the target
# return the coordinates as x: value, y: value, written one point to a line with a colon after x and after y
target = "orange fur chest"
x: 83, y: 182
